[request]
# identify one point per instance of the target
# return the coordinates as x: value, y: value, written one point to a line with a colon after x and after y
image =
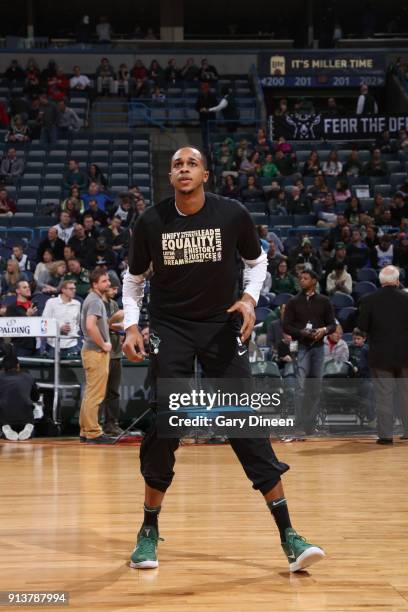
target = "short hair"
x: 389, y: 274
x: 203, y: 156
x: 95, y: 275
x: 65, y: 284
x: 22, y: 280
x: 311, y: 273
x: 358, y: 332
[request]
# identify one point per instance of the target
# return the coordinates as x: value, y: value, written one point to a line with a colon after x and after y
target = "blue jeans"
x: 309, y: 374
x: 64, y: 353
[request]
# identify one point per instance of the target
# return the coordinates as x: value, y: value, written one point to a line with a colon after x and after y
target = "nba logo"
x: 43, y: 326
x: 278, y: 65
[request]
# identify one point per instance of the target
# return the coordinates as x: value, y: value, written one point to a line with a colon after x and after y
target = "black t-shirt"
x: 194, y: 257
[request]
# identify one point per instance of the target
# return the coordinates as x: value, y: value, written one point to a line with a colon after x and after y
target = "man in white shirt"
x: 66, y: 310
x: 64, y: 227
x: 79, y: 81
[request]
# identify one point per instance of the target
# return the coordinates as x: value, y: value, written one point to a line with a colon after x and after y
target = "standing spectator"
x: 11, y: 167
x: 335, y: 348
x: 366, y: 104
x: 95, y: 358
x: 104, y: 30
x: 23, y: 307
x: 74, y: 177
x: 207, y: 71
x: 64, y: 227
x: 7, y: 205
x: 383, y: 316
x: 14, y: 73
x: 53, y: 243
x: 49, y: 117
x: 68, y: 121
x: 79, y: 81
x: 79, y: 275
x: 83, y: 31
x: 339, y: 279
x: 332, y: 166
x: 376, y: 166
x: 308, y: 319
x: 111, y: 402
x: 66, y: 311
x: 228, y: 108
x: 105, y: 77
x: 205, y: 100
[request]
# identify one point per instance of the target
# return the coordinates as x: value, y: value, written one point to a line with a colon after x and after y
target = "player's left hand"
x: 246, y: 308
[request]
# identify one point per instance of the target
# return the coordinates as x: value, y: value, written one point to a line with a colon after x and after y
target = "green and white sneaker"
x: 300, y: 553
x: 144, y: 555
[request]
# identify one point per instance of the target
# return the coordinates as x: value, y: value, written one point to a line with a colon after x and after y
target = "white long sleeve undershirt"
x: 254, y: 275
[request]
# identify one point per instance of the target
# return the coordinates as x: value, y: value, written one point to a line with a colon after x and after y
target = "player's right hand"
x: 133, y: 346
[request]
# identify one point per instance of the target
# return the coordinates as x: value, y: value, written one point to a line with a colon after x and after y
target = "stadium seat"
x: 363, y: 287
x: 347, y: 318
x: 367, y: 274
x: 282, y: 298
x: 341, y: 300
x: 262, y: 313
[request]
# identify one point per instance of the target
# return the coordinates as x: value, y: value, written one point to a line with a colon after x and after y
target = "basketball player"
x: 193, y: 312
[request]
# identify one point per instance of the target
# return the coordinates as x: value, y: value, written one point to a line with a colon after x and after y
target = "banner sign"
x: 18, y: 327
x: 330, y: 62
x: 306, y: 126
x: 329, y: 81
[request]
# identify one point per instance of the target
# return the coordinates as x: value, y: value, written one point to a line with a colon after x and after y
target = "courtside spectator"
x: 23, y: 307
x: 66, y: 311
x: 335, y: 348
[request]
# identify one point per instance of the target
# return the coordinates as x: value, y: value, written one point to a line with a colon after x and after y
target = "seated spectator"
x: 376, y: 166
x: 353, y: 211
x: 230, y: 189
x: 53, y: 243
x: 80, y: 276
x: 79, y: 81
x: 99, y: 216
x: 81, y: 244
x: 103, y: 255
x: 402, y: 141
x: 379, y: 205
x: 371, y: 238
x: 297, y: 202
x: 64, y: 227
x: 11, y: 277
x: 339, y: 279
x: 21, y: 258
x: 94, y: 193
x: 335, y: 347
x: 401, y: 253
x: 284, y: 163
x: 4, y: 118
x: 252, y: 193
x: 224, y: 157
x: 139, y: 71
x: 116, y: 237
x: 385, y: 144
x: 274, y: 258
x: 32, y: 85
x: 358, y: 253
x: 11, y: 166
x: 67, y: 120
x: 104, y: 30
x: 42, y: 273
x: 207, y: 72
x: 307, y: 258
x: 14, y: 73
x: 311, y: 167
x: 278, y: 205
x: 383, y: 253
x: 91, y: 231
x: 18, y: 392
x: 95, y: 175
x: 74, y: 177
x: 73, y: 207
x: 332, y: 166
x: 74, y: 194
x: 269, y: 169
x: 7, y: 205
x: 333, y: 109
x: 336, y: 231
x: 325, y: 251
x: 267, y: 237
x: 353, y: 165
x: 158, y: 94
x: 283, y: 281
x: 403, y: 189
x: 66, y: 311
x: 326, y: 217
x: 262, y: 144
x: 340, y: 255
x: 140, y: 89
x: 282, y: 108
x: 58, y: 86
x: 283, y: 146
x: 49, y: 72
x: 399, y: 208
x: 385, y: 219
x: 156, y: 72
x: 18, y: 131
x: 342, y: 191
x: 358, y: 354
x: 23, y: 307
x: 172, y: 73
x: 251, y: 165
x: 317, y: 192
x: 140, y: 207
x: 57, y: 271
x: 105, y: 77
x: 190, y: 71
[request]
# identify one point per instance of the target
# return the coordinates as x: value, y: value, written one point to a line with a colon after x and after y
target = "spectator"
x: 376, y: 166
x: 205, y: 100
x: 297, y: 202
x: 7, y: 205
x: 104, y: 30
x: 378, y: 206
x: 21, y: 258
x: 91, y: 230
x: 224, y: 158
x: 371, y: 238
x: 123, y: 79
x: 402, y: 141
x: 139, y: 71
x: 358, y: 354
x: 172, y: 74
x: 68, y: 121
x: 11, y: 166
x: 95, y: 175
x: 11, y: 277
x: 326, y: 217
x: 102, y: 255
x: 52, y: 243
x: 283, y: 281
x: 339, y: 279
x: 18, y: 392
x: 340, y: 255
x: 358, y: 253
x: 99, y: 216
x: 332, y: 166
x: 266, y: 236
x: 274, y: 258
x: 269, y: 169
x: 94, y: 193
x: 64, y: 227
x: 23, y: 307
x: 82, y: 244
x: 284, y: 163
x: 342, y: 191
x: 207, y: 71
x: 311, y: 167
x: 158, y: 95
x: 105, y: 77
x: 335, y: 348
x: 252, y: 193
x: 278, y: 205
x: 230, y: 189
x: 399, y: 208
x: 353, y: 165
x: 325, y: 251
x: 228, y: 108
x: 79, y: 81
x: 384, y: 143
x: 73, y: 207
x: 251, y: 165
x: 49, y: 72
x: 308, y: 259
x: 353, y: 211
x: 317, y: 192
x: 333, y: 109
x: 116, y: 238
x: 140, y: 89
x: 79, y: 275
x: 58, y: 86
x: 336, y: 231
x: 124, y: 211
x: 366, y: 104
x: 383, y: 253
x: 49, y: 118
x: 32, y: 81
x: 14, y: 73
x: 18, y: 131
x: 155, y: 73
x: 282, y: 109
x: 262, y: 144
x: 385, y: 219
x: 66, y: 311
x: 57, y: 271
x: 283, y: 146
x: 83, y: 31
x: 4, y: 118
x: 190, y: 72
x: 403, y: 189
x: 150, y: 34
x: 75, y: 195
x: 42, y: 273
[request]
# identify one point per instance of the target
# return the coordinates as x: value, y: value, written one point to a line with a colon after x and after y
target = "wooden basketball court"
x: 70, y: 514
